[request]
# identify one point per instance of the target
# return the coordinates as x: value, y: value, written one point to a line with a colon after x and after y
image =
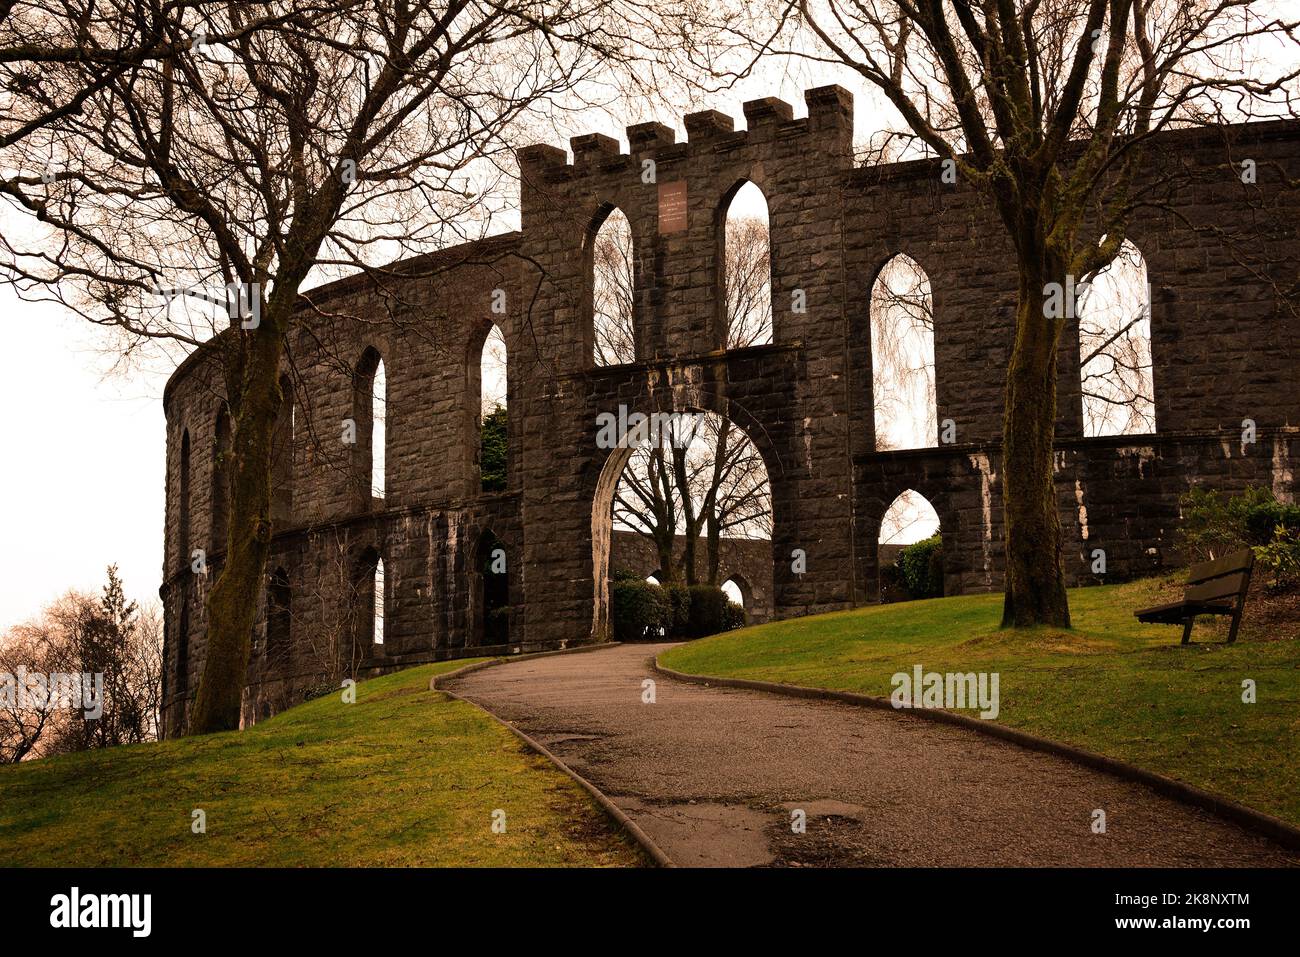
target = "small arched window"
x: 495, y: 598
x: 902, y: 357
x: 183, y: 648
x: 737, y: 591
x: 282, y: 442
x: 369, y: 404
x: 221, y: 479
x: 613, y: 292
x: 747, y: 269
x: 493, y: 419
x: 377, y: 604
x: 279, y: 616
x: 183, y: 505
x: 910, y: 551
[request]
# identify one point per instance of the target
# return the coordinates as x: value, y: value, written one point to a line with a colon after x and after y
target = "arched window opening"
x: 747, y: 270
x: 692, y: 496
x: 1114, y: 313
x: 369, y: 403
x: 902, y: 357
x: 221, y: 479
x: 282, y: 443
x: 377, y: 604
x: 378, y: 431
x: 494, y: 420
x: 279, y: 616
x: 183, y: 505
x: 613, y: 292
x: 737, y: 591
x: 910, y: 551
x: 495, y: 597
x: 183, y: 648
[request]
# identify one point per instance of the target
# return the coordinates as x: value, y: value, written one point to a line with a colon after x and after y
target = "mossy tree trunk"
x: 1035, y: 584
x: 252, y: 361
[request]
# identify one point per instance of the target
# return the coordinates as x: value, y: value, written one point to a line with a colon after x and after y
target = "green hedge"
x: 638, y: 610
x: 708, y: 611
x: 920, y: 566
x: 641, y: 610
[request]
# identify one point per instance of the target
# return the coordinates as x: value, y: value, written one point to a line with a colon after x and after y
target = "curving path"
x: 714, y: 774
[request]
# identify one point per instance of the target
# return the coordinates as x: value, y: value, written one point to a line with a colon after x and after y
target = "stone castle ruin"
x: 360, y: 583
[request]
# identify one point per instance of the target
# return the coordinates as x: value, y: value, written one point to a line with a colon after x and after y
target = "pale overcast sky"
x: 82, y: 482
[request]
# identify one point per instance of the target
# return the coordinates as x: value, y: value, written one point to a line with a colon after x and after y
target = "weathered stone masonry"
x: 1223, y: 349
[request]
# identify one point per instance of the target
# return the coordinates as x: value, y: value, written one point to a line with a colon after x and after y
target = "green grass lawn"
x: 404, y: 776
x: 1110, y: 685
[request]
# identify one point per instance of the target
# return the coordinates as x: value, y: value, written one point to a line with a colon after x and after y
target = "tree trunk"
x: 1035, y: 583
x: 233, y: 601
x: 713, y: 534
x: 688, y: 513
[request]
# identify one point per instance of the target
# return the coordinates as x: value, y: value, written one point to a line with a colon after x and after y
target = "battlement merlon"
x: 830, y: 112
x: 592, y: 148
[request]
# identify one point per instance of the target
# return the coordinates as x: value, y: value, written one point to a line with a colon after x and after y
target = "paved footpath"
x: 713, y: 775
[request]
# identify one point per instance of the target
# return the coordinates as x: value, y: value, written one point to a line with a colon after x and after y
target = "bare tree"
x: 27, y: 722
x: 106, y: 640
x: 341, y: 593
x: 748, y: 285
x: 902, y: 356
x: 712, y: 485
x: 1114, y: 315
x: 1047, y: 107
x: 613, y: 292
x: 248, y: 156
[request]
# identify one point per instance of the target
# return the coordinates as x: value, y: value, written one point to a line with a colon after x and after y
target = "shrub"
x: 1263, y: 519
x: 734, y: 616
x: 678, y: 597
x: 891, y: 584
x: 1214, y: 523
x: 920, y: 566
x: 708, y: 614
x: 638, y: 610
x: 492, y: 450
x: 1280, y: 557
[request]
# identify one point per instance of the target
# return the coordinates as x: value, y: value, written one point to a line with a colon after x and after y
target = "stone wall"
x: 1224, y: 351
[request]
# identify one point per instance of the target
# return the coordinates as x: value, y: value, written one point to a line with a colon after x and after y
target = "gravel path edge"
x: 630, y: 827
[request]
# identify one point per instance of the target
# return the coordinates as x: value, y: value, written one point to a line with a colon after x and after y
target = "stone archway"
x: 602, y: 522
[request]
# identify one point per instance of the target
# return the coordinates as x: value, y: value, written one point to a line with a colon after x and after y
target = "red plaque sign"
x: 672, y: 207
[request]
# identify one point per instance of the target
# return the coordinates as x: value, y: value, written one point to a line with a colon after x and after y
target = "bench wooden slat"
x: 1237, y: 561
x: 1229, y: 586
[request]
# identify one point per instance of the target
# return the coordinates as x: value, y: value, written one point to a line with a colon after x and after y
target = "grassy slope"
x: 1111, y: 685
x: 405, y: 776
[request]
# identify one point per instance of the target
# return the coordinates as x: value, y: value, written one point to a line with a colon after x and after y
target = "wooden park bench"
x: 1213, y: 588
